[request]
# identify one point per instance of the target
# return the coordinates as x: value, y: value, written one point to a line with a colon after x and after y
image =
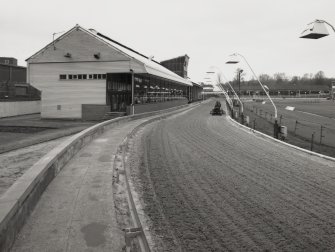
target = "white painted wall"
x: 63, y: 98
x: 19, y: 108
x: 71, y: 94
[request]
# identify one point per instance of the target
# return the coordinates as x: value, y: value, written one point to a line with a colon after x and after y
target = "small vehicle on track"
x: 217, y: 109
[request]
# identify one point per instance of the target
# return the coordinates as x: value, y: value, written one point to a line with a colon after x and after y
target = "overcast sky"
x: 266, y: 32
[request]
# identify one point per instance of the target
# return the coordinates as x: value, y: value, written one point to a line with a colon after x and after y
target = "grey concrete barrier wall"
x: 16, y: 108
x: 19, y: 200
x: 143, y: 108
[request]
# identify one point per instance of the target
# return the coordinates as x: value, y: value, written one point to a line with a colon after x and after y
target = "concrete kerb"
x: 260, y: 134
x: 20, y: 199
x: 142, y: 236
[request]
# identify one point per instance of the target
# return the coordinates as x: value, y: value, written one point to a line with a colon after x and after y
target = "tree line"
x: 281, y: 79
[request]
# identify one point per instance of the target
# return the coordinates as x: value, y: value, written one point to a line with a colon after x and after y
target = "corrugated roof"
x: 151, y: 66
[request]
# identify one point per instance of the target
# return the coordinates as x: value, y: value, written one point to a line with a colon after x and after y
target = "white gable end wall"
x: 64, y: 98
x: 82, y: 47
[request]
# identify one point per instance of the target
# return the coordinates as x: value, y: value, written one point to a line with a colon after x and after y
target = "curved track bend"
x: 220, y: 188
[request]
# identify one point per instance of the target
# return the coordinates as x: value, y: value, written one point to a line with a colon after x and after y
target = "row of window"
x: 82, y: 76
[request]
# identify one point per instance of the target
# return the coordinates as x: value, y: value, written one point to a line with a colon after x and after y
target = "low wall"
x: 94, y: 112
x: 19, y: 200
x: 147, y: 107
x: 16, y: 108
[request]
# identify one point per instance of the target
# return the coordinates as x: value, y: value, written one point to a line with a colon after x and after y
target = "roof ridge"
x: 126, y: 47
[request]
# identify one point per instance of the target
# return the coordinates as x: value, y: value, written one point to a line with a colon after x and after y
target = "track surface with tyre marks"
x: 208, y: 185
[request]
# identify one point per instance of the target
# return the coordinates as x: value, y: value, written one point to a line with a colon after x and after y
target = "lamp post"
x: 132, y: 91
x: 237, y: 97
x: 235, y: 61
x: 316, y: 29
x: 228, y: 100
x: 239, y: 81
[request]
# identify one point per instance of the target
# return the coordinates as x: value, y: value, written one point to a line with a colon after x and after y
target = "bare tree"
x: 280, y: 77
x: 264, y: 77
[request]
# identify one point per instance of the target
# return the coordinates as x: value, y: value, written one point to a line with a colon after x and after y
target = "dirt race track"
x: 207, y: 185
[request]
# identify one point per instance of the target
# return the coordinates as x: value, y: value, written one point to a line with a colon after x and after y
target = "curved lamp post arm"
x: 225, y: 94
x: 324, y: 21
x: 238, y: 98
x: 266, y: 92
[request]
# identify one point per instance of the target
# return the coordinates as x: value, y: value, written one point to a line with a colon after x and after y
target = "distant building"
x: 177, y: 65
x: 11, y: 72
x: 13, y: 82
x: 8, y: 61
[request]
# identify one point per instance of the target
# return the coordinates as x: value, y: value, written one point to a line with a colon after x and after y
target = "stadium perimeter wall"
x: 15, y: 108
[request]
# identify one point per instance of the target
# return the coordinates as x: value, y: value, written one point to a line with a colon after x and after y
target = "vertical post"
x: 295, y: 127
x: 255, y: 123
x: 312, y: 141
x: 281, y: 116
x: 132, y: 91
x: 321, y: 136
x: 239, y: 83
x: 276, y: 129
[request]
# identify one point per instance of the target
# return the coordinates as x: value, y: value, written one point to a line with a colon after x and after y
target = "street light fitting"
x: 316, y: 29
x: 233, y: 60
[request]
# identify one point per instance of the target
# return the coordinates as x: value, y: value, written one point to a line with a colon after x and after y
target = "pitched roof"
x: 151, y: 66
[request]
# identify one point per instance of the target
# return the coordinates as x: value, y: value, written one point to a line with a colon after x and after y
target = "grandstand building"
x: 84, y: 74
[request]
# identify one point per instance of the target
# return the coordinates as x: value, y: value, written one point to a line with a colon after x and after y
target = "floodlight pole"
x: 266, y: 92
x: 238, y: 98
x: 228, y: 100
x: 132, y: 91
x: 225, y: 93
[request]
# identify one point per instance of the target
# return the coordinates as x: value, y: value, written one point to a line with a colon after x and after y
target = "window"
x: 6, y: 61
x: 59, y: 107
x: 83, y: 76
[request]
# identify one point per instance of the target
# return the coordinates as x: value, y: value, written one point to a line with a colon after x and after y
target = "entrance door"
x: 118, y: 91
x: 119, y: 101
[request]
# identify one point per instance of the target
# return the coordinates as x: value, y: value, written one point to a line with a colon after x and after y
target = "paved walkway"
x: 76, y: 212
